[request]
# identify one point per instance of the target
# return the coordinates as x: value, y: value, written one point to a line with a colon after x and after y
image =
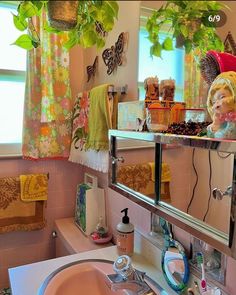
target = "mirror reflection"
x: 137, y: 172
x: 195, y: 175
x: 191, y: 179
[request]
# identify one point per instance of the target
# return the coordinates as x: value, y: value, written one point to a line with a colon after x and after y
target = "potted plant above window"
x: 192, y: 21
x: 86, y: 21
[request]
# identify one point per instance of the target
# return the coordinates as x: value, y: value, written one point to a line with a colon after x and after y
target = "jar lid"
x: 193, y: 109
x: 158, y: 108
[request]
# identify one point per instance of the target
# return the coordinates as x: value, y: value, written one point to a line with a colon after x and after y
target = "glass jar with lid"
x: 158, y: 117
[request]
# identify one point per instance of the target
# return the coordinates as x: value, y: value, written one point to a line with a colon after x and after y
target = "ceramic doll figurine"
x: 221, y: 104
x: 151, y: 85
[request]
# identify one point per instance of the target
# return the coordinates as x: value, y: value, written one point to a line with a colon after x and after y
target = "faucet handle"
x: 123, y: 266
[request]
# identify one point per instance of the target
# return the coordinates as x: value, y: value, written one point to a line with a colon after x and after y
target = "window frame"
x: 11, y: 149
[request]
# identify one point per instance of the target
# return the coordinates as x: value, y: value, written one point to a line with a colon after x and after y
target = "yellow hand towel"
x: 34, y: 187
x: 99, y: 119
x: 165, y: 172
x: 152, y: 165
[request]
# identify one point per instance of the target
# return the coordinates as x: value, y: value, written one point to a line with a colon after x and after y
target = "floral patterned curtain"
x: 48, y: 104
x: 195, y: 88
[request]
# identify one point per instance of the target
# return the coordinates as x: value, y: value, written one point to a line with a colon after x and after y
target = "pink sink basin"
x: 89, y: 277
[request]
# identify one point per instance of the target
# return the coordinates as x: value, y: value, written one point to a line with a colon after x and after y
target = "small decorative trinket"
x: 101, y: 234
x: 91, y: 70
x: 141, y: 125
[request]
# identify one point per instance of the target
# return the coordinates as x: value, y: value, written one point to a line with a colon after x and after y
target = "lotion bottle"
x: 125, y: 235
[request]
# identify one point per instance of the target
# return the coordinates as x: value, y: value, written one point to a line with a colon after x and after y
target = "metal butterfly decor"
x: 100, y: 30
x: 113, y: 57
x: 91, y: 70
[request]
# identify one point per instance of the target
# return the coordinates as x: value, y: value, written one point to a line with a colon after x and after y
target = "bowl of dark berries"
x: 187, y: 128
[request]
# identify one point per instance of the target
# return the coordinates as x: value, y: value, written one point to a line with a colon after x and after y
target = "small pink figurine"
x: 221, y: 104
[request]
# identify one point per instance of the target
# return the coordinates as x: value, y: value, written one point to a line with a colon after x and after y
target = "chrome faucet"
x: 127, y: 278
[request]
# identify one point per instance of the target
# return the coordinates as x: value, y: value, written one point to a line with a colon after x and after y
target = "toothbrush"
x: 201, y: 264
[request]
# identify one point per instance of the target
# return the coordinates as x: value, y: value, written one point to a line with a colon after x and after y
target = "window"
x: 12, y: 83
x: 171, y: 65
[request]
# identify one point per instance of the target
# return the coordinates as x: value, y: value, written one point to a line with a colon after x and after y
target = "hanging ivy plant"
x: 193, y: 21
x: 93, y: 18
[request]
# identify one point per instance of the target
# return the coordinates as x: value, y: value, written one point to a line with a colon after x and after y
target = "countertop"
x: 73, y: 239
x: 26, y: 279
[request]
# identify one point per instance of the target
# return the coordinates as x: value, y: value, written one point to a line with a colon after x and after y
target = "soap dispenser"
x: 125, y: 235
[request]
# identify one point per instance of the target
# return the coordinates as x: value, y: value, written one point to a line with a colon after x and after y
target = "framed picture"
x: 230, y: 45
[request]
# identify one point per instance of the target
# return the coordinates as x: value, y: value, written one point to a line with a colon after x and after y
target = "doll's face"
x: 223, y: 101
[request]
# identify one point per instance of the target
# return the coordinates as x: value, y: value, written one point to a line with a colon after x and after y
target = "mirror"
x: 191, y: 180
x: 136, y: 171
x: 201, y: 184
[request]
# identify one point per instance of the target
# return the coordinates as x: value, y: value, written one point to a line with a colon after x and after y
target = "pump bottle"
x: 125, y: 235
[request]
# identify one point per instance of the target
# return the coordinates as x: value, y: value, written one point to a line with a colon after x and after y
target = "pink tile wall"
x: 17, y: 248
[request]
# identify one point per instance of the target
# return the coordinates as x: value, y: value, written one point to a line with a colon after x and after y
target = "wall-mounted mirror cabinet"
x: 187, y: 180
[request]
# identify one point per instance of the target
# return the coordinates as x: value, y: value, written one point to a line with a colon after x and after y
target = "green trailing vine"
x: 188, y: 20
x: 90, y: 14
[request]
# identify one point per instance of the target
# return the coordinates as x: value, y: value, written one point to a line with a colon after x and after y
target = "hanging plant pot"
x: 62, y: 15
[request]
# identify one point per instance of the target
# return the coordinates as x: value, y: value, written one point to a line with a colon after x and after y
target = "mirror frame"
x: 222, y: 242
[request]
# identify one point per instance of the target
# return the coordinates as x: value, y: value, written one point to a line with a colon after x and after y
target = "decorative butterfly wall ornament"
x: 230, y: 44
x: 113, y: 57
x: 91, y: 70
x: 100, y: 30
